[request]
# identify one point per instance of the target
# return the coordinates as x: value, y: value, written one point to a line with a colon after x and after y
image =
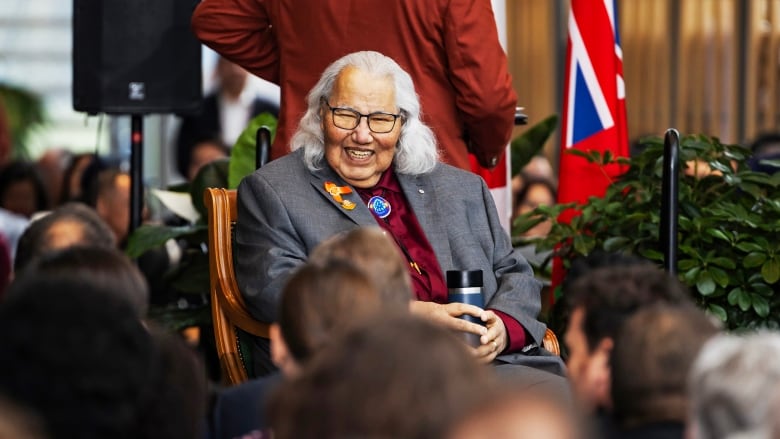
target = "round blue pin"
x: 379, y: 206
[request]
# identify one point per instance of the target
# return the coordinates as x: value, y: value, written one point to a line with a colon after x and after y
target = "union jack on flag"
x: 594, y: 111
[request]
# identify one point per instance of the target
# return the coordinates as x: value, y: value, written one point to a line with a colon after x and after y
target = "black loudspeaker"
x: 135, y: 57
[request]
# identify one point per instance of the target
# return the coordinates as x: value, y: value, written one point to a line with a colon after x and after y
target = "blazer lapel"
x: 360, y: 214
x: 421, y: 196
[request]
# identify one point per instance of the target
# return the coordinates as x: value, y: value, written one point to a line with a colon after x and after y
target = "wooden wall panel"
x: 533, y: 51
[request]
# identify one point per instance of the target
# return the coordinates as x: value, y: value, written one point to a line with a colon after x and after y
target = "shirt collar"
x: 388, y: 181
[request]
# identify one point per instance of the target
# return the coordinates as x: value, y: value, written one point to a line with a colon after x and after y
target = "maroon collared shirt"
x: 427, y: 277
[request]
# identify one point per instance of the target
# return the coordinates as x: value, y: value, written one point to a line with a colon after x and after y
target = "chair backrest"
x: 229, y: 312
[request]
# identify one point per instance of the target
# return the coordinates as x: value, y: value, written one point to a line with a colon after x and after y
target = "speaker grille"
x: 135, y: 57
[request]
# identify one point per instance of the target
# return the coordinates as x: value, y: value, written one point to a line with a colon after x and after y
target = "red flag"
x: 594, y: 110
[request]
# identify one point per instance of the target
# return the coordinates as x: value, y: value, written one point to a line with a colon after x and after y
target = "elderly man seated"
x: 362, y: 156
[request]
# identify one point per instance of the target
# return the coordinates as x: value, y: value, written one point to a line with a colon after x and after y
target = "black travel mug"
x: 465, y: 286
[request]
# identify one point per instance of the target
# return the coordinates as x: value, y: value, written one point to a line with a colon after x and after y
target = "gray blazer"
x: 284, y: 212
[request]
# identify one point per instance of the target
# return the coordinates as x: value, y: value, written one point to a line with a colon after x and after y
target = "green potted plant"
x: 728, y: 253
x: 191, y: 275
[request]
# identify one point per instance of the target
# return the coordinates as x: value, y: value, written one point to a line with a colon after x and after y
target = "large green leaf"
x: 770, y: 270
x: 214, y: 174
x: 149, y: 236
x: 524, y: 147
x: 25, y: 112
x: 242, y: 156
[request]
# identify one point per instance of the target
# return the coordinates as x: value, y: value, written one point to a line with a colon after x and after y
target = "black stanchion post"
x: 263, y: 146
x: 669, y: 199
x: 136, y: 170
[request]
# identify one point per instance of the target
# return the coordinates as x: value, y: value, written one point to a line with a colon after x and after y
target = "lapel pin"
x: 337, y: 191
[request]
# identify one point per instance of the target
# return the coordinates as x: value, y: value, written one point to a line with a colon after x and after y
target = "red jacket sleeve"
x: 241, y: 31
x: 480, y: 76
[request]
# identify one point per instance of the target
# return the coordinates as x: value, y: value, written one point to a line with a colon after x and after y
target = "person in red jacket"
x: 449, y: 47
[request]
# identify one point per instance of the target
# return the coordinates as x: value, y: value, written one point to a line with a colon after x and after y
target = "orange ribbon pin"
x: 337, y: 191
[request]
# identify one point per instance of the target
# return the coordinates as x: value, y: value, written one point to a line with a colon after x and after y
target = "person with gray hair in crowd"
x: 733, y: 383
x: 362, y: 156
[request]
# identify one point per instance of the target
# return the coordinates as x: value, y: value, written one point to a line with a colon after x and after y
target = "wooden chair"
x: 228, y: 309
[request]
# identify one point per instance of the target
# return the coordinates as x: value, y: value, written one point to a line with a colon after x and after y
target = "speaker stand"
x: 136, y: 170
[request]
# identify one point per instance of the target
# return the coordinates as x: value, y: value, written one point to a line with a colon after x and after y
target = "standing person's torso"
x: 410, y: 32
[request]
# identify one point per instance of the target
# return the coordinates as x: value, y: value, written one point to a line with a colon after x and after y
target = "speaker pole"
x: 136, y: 170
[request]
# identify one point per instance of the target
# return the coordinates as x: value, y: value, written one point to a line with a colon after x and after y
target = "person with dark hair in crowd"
x: 68, y: 225
x: 51, y: 166
x: 765, y: 147
x: 72, y: 187
x: 450, y: 48
x: 363, y: 157
x: 202, y: 153
x: 104, y: 266
x: 224, y: 115
x: 22, y: 190
x: 109, y: 194
x: 348, y: 276
x: 535, y: 192
x: 600, y: 300
x: 76, y: 356
x: 395, y: 377
x: 79, y: 358
x: 180, y: 401
x: 650, y: 362
x: 558, y: 319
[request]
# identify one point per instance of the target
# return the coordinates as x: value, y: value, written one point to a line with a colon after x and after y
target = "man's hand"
x: 447, y: 315
x: 494, y: 341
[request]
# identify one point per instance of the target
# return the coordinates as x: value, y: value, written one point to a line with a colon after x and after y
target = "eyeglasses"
x: 348, y: 119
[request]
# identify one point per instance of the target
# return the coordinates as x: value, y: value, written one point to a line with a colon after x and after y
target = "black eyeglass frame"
x: 360, y: 116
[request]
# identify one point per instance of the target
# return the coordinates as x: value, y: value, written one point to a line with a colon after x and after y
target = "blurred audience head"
x: 72, y: 187
x: 600, y: 300
x: 317, y: 302
x: 106, y: 268
x: 232, y: 78
x: 650, y: 362
x: 19, y: 423
x: 517, y: 412
x: 203, y: 153
x: 732, y: 385
x: 51, y: 165
x: 179, y: 405
x: 377, y: 256
x: 75, y: 355
x: 765, y: 147
x: 109, y: 195
x: 21, y: 189
x: 535, y: 192
x: 68, y: 225
x: 398, y: 376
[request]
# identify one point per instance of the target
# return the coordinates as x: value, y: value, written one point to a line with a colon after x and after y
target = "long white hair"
x: 416, y: 151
